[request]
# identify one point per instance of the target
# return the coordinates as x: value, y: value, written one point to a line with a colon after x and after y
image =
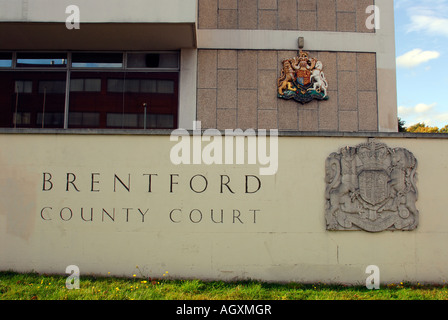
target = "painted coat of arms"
x: 371, y: 187
x: 302, y: 79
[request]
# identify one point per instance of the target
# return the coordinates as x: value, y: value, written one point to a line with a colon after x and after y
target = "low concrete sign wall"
x: 115, y: 203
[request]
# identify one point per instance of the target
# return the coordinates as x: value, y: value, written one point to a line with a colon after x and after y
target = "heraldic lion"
x: 286, y: 79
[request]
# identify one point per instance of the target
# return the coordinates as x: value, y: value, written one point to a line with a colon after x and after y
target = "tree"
x: 420, y: 127
x: 423, y: 128
x: 444, y: 129
x: 401, y: 127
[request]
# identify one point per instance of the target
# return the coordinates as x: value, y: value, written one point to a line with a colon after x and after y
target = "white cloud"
x: 422, y: 108
x: 418, y: 109
x: 429, y: 16
x: 424, y: 113
x: 443, y: 117
x: 416, y: 57
x: 429, y: 24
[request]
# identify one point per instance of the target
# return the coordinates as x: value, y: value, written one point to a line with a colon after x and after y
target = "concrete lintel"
x: 167, y: 132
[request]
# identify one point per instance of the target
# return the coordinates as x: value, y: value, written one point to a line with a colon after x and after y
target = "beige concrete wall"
x: 285, y: 240
x: 238, y: 89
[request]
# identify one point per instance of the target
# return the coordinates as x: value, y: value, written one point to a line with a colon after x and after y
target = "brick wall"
x: 238, y: 89
x: 306, y: 15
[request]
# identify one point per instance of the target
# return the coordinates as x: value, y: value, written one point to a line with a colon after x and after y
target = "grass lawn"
x: 15, y: 286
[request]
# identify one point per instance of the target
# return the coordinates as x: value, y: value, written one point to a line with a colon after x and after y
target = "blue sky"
x: 421, y: 32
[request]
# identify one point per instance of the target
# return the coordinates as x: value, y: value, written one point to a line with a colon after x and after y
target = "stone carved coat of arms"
x: 371, y: 187
x: 302, y: 79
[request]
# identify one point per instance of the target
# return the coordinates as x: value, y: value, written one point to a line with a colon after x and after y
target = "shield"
x: 304, y: 77
x: 373, y: 186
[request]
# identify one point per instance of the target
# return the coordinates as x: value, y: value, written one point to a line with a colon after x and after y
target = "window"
x: 50, y: 119
x: 22, y: 118
x: 125, y: 98
x: 115, y: 90
x: 165, y: 86
x: 143, y: 86
x: 166, y: 60
x: 164, y: 121
x: 5, y: 60
x: 97, y: 60
x: 52, y: 86
x: 84, y: 119
x: 32, y: 99
x: 153, y: 121
x: 23, y: 86
x: 85, y: 85
x: 41, y: 60
x: 119, y: 120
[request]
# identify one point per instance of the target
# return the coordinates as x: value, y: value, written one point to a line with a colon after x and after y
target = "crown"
x: 374, y: 156
x: 303, y: 54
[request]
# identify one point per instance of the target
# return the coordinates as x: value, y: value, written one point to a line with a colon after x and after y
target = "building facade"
x: 214, y: 61
x: 91, y: 94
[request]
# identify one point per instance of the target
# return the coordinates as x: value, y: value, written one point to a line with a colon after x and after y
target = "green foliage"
x: 401, y: 127
x: 420, y: 128
x: 444, y: 129
x: 14, y: 286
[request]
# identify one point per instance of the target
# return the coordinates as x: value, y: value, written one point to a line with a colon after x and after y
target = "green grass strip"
x: 32, y: 286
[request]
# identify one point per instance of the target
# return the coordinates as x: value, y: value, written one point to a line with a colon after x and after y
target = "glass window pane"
x: 132, y: 85
x: 114, y: 119
x: 52, y: 86
x: 153, y: 60
x: 115, y: 85
x: 136, y: 60
x: 159, y: 121
x: 77, y: 85
x: 24, y: 86
x: 151, y: 120
x: 75, y: 119
x: 5, y: 60
x: 165, y: 86
x: 85, y: 85
x: 23, y: 118
x: 123, y: 120
x: 53, y: 119
x: 91, y: 119
x: 169, y: 60
x: 46, y: 60
x: 92, y: 85
x: 84, y: 119
x: 165, y: 121
x: 130, y: 120
x: 148, y: 86
x: 97, y: 60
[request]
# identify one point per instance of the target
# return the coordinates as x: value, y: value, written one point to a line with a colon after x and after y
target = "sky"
x: 421, y: 36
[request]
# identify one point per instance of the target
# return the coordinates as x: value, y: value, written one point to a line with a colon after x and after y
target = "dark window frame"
x: 68, y: 68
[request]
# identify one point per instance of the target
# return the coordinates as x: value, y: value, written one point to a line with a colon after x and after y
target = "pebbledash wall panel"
x: 241, y: 46
x: 109, y: 203
x: 309, y: 15
x: 238, y: 89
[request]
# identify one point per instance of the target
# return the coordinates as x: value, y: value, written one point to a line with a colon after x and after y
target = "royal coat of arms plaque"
x: 302, y: 79
x: 371, y: 187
